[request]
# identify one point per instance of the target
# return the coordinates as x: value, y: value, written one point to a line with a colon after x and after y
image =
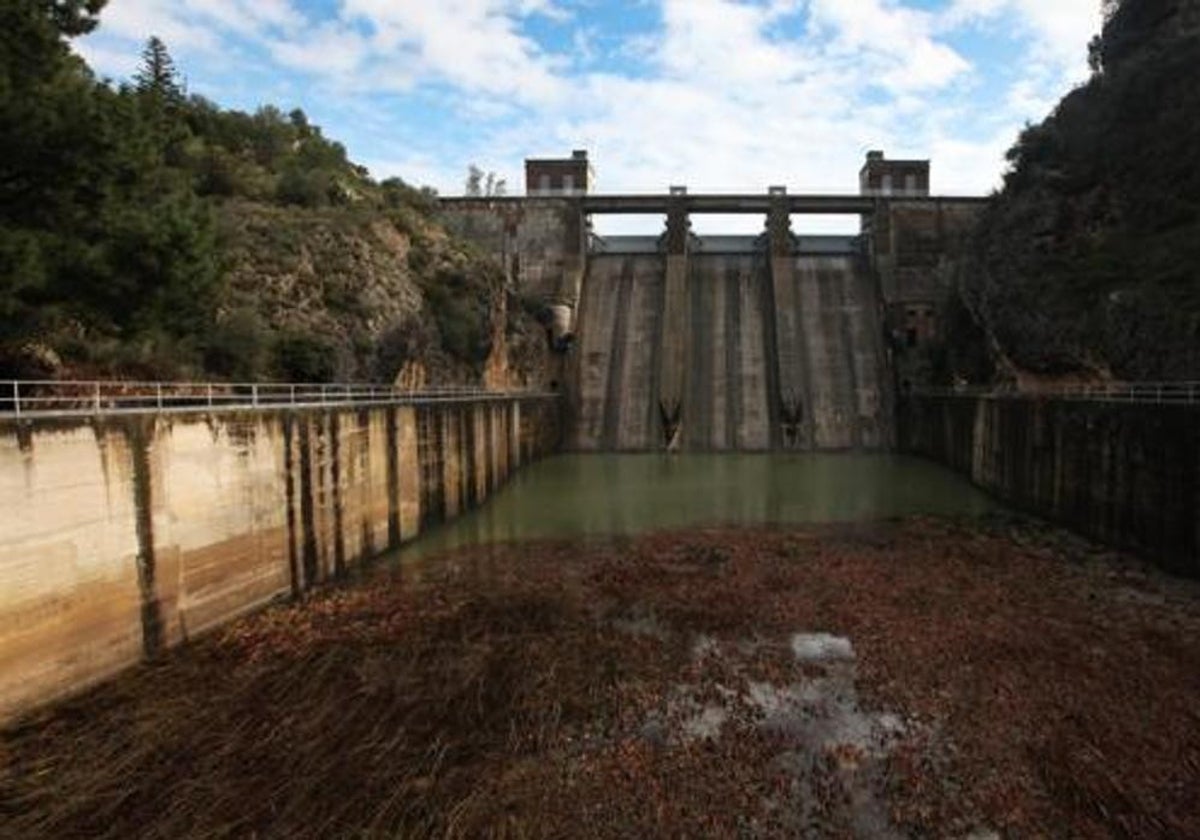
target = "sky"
x: 717, y: 95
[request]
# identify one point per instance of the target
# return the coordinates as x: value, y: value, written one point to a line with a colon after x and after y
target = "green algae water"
x: 568, y: 496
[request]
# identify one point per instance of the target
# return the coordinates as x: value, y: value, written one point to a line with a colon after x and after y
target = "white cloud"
x: 719, y: 95
x: 137, y: 20
x: 1060, y: 28
x: 247, y: 17
x: 726, y: 43
x: 474, y: 44
x: 333, y: 51
x: 894, y: 41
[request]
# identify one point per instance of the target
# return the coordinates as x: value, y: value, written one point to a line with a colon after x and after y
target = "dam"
x: 776, y: 342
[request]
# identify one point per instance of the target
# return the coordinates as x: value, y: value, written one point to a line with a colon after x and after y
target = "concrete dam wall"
x: 1127, y: 475
x: 775, y: 342
x: 127, y: 535
x: 746, y: 353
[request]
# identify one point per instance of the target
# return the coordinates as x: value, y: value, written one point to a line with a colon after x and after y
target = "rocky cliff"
x: 1087, y: 263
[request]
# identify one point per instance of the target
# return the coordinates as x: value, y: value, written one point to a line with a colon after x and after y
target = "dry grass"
x: 535, y: 691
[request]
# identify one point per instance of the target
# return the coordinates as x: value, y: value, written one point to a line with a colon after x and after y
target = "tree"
x: 157, y: 75
x: 33, y: 37
x: 56, y: 139
x: 481, y: 184
x: 474, y: 185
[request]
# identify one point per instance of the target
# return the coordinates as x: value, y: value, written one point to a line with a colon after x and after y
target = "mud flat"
x: 917, y: 676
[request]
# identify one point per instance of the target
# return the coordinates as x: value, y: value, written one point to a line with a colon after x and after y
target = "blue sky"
x: 715, y: 94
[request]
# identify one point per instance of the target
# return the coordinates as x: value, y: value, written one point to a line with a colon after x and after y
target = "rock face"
x: 386, y: 297
x: 1089, y: 260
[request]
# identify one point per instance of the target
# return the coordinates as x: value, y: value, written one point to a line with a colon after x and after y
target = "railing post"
x: 292, y: 394
x: 210, y: 395
x: 16, y: 387
x: 158, y: 395
x: 254, y: 395
x: 97, y: 397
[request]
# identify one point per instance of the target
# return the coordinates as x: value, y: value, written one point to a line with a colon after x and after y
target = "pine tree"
x: 158, y: 76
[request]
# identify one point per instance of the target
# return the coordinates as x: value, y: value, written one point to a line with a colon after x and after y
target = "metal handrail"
x: 1166, y: 393
x: 30, y: 397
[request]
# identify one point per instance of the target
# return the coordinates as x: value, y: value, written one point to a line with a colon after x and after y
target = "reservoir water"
x: 614, y: 495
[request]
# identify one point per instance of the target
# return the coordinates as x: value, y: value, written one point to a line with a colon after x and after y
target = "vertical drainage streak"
x: 734, y: 413
x: 844, y: 287
x: 139, y: 434
x: 366, y: 475
x: 614, y: 391
x: 470, y: 446
x: 654, y: 437
x: 764, y: 266
x: 697, y: 398
x: 335, y: 465
x: 393, y: 476
x: 289, y: 465
x: 307, y: 517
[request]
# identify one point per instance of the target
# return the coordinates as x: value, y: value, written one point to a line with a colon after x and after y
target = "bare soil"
x: 920, y: 677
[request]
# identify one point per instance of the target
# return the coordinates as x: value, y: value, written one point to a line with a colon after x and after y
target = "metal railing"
x: 30, y: 398
x: 1163, y: 393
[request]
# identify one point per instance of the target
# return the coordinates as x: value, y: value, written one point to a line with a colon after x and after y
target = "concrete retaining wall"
x: 124, y: 536
x: 1127, y: 475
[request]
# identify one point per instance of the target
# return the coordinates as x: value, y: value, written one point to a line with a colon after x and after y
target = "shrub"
x: 305, y: 357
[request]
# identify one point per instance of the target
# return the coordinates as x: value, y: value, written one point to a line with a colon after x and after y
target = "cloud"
x: 1060, y: 29
x: 474, y: 44
x: 137, y: 20
x: 247, y: 17
x: 896, y: 43
x: 715, y: 94
x: 335, y: 52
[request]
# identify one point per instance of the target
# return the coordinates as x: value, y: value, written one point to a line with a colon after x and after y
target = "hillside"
x: 360, y: 294
x: 146, y: 233
x: 1087, y: 262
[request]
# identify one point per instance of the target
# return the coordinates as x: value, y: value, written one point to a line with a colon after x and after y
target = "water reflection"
x: 595, y: 495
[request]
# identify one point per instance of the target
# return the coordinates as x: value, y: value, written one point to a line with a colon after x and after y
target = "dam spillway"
x: 771, y: 352
x: 775, y: 342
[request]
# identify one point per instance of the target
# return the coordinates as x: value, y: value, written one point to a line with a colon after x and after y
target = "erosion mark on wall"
x: 139, y: 433
x: 289, y: 467
x: 339, y: 534
x: 307, y: 518
x: 393, y: 478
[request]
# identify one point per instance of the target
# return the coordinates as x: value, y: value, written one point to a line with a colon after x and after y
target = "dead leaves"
x: 591, y: 689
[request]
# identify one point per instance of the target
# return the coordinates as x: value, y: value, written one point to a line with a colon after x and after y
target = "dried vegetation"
x: 1003, y: 678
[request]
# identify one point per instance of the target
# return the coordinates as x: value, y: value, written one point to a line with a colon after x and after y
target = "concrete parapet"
x: 127, y: 535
